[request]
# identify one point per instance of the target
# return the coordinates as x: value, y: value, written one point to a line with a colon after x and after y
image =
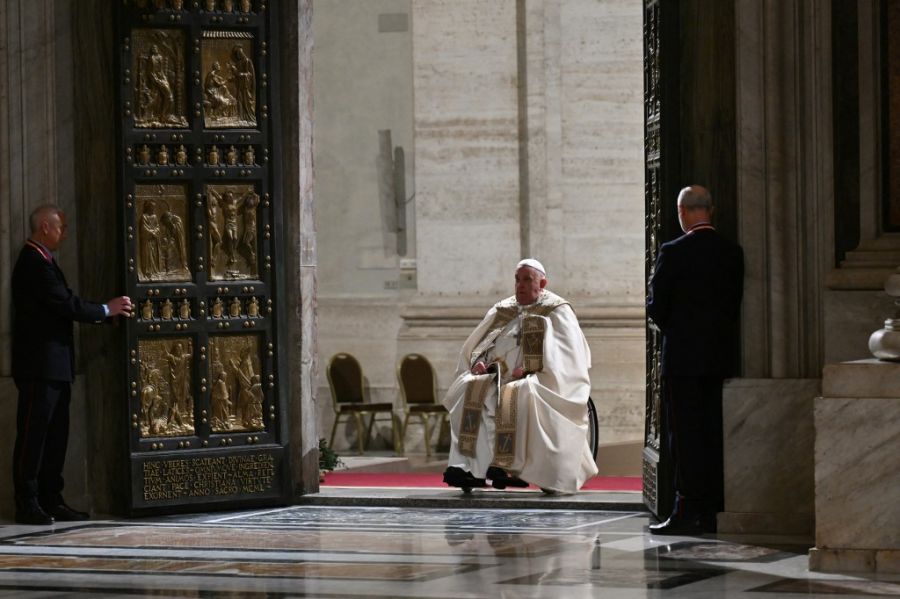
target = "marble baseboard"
x: 854, y: 560
x: 768, y: 443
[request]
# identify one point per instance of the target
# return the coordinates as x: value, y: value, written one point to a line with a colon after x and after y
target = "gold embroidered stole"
x: 476, y: 392
x: 533, y: 344
x: 506, y: 417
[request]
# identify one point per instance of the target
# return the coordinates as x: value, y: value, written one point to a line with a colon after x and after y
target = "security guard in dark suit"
x: 695, y: 299
x: 44, y: 309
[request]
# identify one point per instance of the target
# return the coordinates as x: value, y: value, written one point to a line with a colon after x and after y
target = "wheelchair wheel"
x: 593, y: 427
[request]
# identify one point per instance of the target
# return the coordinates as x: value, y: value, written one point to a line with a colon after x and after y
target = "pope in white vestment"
x: 535, y: 428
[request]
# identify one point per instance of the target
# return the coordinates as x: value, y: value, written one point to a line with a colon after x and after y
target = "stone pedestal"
x: 768, y: 444
x: 857, y: 468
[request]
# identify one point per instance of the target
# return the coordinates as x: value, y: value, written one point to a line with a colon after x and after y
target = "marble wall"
x: 37, y: 165
x: 528, y: 139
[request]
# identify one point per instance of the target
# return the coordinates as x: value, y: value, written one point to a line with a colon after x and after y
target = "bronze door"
x: 200, y: 214
x: 660, y: 175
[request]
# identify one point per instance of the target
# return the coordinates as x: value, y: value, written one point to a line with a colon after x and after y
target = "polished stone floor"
x: 354, y: 552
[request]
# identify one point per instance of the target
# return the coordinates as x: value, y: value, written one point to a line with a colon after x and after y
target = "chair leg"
x: 369, y: 428
x: 360, y: 440
x: 426, y: 421
x: 337, y: 418
x: 403, y: 428
x: 399, y: 441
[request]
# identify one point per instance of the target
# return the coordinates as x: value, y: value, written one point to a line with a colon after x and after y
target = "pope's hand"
x: 479, y: 368
x: 518, y: 372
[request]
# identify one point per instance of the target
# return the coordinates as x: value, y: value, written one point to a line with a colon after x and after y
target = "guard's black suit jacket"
x: 44, y: 309
x: 696, y: 293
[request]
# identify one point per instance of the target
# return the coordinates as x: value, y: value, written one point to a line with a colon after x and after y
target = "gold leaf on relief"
x: 167, y: 399
x: 159, y: 94
x: 162, y: 243
x: 231, y: 212
x: 229, y: 80
x: 236, y: 396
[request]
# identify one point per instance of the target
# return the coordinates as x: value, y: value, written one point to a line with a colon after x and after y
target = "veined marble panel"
x: 857, y: 462
x: 467, y: 149
x: 602, y: 149
x: 768, y: 444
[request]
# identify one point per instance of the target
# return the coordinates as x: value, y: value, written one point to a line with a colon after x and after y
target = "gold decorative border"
x: 476, y: 392
x: 505, y: 437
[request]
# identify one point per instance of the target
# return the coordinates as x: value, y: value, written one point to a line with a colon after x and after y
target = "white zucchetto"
x: 533, y: 264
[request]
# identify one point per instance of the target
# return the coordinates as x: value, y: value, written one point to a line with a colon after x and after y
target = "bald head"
x: 695, y: 197
x: 695, y: 206
x: 40, y: 215
x: 48, y: 226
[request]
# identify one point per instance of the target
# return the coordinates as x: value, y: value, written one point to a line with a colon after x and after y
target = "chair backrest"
x: 416, y: 378
x: 345, y: 379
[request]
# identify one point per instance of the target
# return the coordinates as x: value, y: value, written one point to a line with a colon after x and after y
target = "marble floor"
x: 335, y: 551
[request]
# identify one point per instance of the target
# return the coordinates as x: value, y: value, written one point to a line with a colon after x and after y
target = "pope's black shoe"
x: 500, y: 479
x: 457, y: 477
x: 676, y: 525
x: 63, y: 513
x: 31, y: 513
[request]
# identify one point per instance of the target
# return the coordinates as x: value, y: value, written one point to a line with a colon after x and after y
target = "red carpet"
x: 435, y: 480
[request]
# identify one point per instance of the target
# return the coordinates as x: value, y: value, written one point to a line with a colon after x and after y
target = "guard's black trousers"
x: 42, y: 434
x: 694, y: 408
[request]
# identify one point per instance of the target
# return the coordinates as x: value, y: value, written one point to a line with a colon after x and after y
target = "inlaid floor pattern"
x: 357, y: 552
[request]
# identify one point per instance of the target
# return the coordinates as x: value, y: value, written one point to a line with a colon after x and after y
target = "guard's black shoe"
x: 500, y: 479
x: 32, y: 514
x: 63, y: 513
x: 684, y: 526
x: 457, y: 477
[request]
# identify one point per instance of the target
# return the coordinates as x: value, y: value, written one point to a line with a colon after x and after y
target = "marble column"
x: 785, y: 188
x: 36, y: 155
x: 785, y: 202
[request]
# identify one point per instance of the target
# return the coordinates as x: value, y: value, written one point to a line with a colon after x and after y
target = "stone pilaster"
x: 300, y: 346
x: 465, y: 78
x: 785, y: 188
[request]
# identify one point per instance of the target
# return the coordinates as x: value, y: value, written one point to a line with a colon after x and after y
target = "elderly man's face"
x: 529, y: 283
x: 54, y: 229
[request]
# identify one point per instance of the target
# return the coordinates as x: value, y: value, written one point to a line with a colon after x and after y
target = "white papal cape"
x: 537, y: 427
